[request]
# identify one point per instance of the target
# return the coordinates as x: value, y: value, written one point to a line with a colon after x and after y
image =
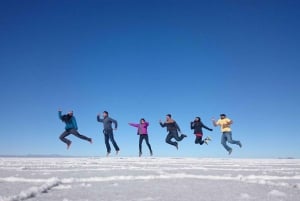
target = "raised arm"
x: 60, y: 114
x: 99, y: 119
x: 134, y: 125
x: 192, y: 125
x: 214, y: 122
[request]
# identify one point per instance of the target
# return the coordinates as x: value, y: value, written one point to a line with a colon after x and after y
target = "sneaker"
x: 205, y: 141
x: 208, y: 138
x: 151, y: 153
x: 230, y: 151
x: 240, y: 144
x: 140, y: 154
x: 107, y: 154
x: 176, y: 146
x: 91, y: 140
x: 69, y: 145
x: 117, y: 152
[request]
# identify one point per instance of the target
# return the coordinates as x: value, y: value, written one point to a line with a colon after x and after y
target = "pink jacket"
x: 142, y: 128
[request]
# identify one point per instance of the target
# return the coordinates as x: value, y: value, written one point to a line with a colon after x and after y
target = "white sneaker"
x: 208, y: 138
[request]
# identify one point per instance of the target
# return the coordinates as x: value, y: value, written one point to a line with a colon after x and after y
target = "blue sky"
x: 146, y: 59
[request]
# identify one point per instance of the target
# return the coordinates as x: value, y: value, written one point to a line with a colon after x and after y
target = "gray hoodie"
x: 107, y: 123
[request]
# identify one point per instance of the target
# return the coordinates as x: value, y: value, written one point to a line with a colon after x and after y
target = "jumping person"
x: 70, y: 128
x: 225, y: 124
x: 197, y: 126
x: 143, y: 133
x: 173, y: 129
x: 108, y: 131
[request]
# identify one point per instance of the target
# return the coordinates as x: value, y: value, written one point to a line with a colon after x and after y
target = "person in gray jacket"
x: 108, y: 131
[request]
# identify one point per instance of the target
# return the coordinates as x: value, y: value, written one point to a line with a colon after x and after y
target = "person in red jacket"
x: 143, y: 133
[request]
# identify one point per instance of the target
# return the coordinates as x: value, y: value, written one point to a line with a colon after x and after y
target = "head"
x: 168, y: 117
x: 142, y: 121
x: 222, y: 116
x: 70, y: 113
x: 105, y: 114
x: 197, y: 119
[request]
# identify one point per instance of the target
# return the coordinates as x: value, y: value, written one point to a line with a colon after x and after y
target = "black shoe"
x: 183, y: 135
x: 176, y: 146
x: 151, y: 153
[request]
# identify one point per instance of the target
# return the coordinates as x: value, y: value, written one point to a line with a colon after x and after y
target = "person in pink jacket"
x: 143, y: 133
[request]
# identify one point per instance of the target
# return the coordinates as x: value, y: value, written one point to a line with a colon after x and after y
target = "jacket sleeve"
x: 176, y: 125
x: 162, y: 124
x: 206, y: 127
x: 115, y: 122
x: 134, y: 125
x: 99, y: 119
x: 192, y: 125
x: 74, y: 123
x: 59, y: 115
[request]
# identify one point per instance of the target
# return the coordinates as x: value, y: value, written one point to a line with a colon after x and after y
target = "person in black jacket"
x: 173, y: 129
x: 197, y: 126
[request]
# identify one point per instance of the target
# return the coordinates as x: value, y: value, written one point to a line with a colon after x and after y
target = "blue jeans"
x: 227, y: 137
x: 108, y: 135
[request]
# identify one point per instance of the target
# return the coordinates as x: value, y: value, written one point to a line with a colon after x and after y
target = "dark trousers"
x: 73, y: 132
x: 144, y: 137
x: 199, y: 140
x: 171, y: 135
x: 108, y: 135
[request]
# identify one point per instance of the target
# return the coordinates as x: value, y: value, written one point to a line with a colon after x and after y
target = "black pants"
x: 171, y: 135
x: 144, y: 137
x: 199, y: 140
x: 108, y: 135
x: 73, y: 132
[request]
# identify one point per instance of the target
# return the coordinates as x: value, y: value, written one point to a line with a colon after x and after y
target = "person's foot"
x: 91, y: 140
x: 206, y: 141
x: 140, y: 154
x: 176, y: 146
x: 151, y: 153
x: 107, y: 154
x: 230, y: 151
x: 240, y: 144
x: 117, y: 152
x: 208, y: 138
x: 184, y: 135
x: 69, y: 145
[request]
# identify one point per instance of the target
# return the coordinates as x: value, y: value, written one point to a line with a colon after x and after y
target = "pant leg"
x: 176, y: 136
x: 77, y: 134
x: 147, y: 142
x: 230, y: 140
x: 140, y: 143
x: 106, y: 140
x: 168, y: 139
x: 223, y: 142
x: 112, y: 139
x: 63, y: 138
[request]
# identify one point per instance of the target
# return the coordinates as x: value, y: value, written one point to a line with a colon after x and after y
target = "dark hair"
x: 105, y: 112
x: 66, y: 118
x: 142, y: 119
x: 198, y: 118
x: 169, y: 115
x: 223, y: 115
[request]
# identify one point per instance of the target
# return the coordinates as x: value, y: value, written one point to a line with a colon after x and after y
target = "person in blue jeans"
x: 225, y: 124
x: 70, y: 128
x: 108, y: 131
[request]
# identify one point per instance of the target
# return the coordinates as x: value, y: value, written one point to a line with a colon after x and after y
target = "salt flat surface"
x: 147, y: 179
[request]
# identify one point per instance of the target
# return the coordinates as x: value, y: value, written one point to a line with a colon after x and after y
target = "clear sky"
x: 147, y: 59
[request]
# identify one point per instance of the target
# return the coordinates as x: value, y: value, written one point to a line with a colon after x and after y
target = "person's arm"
x: 192, y: 125
x: 207, y: 127
x: 162, y: 124
x: 115, y: 123
x: 74, y: 123
x: 214, y: 122
x: 147, y: 123
x: 99, y: 119
x: 134, y: 125
x: 60, y: 114
x: 177, y: 127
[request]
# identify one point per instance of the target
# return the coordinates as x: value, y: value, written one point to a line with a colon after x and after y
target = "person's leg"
x: 112, y: 139
x: 176, y: 136
x: 201, y: 141
x: 168, y: 140
x: 148, y: 144
x: 197, y: 141
x: 106, y: 140
x: 63, y: 138
x: 140, y: 144
x: 231, y: 141
x: 77, y: 134
x: 223, y: 142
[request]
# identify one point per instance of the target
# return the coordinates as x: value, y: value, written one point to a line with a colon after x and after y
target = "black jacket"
x: 197, y: 126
